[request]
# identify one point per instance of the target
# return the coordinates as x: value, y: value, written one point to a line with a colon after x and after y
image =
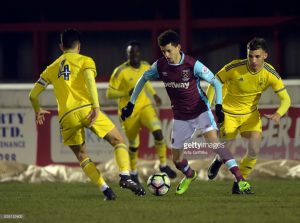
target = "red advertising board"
x: 279, y: 141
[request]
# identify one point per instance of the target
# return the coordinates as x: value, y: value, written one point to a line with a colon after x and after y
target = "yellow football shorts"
x: 240, y: 123
x: 73, y: 126
x: 147, y: 117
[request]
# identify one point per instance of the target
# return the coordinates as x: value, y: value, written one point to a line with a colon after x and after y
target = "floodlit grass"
x: 274, y: 201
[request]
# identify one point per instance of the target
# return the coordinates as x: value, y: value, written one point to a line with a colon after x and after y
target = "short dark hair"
x: 257, y: 43
x: 69, y: 38
x: 168, y: 36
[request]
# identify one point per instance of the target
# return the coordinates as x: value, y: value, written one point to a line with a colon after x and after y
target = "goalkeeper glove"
x: 219, y: 113
x: 127, y: 111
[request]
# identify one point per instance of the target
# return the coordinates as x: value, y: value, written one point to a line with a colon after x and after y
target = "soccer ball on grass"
x: 158, y: 184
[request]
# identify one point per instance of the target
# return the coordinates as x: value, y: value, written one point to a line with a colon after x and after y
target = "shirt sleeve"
x: 90, y: 64
x: 279, y: 88
x: 204, y: 73
x: 34, y: 95
x: 150, y: 74
x: 276, y: 83
x: 285, y: 102
x: 44, y: 79
x: 89, y: 76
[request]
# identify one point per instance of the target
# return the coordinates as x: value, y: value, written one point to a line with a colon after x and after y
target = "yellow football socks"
x: 92, y: 172
x: 246, y: 165
x: 122, y: 158
x: 161, y: 151
x: 133, y: 155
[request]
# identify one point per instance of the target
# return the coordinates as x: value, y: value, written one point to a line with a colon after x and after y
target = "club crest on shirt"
x: 185, y: 75
x: 164, y: 73
x: 262, y: 82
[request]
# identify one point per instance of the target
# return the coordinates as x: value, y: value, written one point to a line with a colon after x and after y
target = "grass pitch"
x: 274, y: 201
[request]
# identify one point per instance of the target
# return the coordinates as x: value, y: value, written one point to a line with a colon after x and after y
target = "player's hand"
x: 40, y: 116
x: 157, y: 100
x: 275, y: 117
x: 127, y: 111
x: 93, y: 115
x: 219, y: 113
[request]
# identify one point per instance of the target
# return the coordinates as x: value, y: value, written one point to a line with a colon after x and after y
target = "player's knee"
x: 79, y: 151
x: 114, y: 138
x: 157, y: 134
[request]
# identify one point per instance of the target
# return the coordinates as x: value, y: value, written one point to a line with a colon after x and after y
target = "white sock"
x: 103, y: 187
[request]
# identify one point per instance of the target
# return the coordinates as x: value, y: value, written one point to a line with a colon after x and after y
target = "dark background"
x: 215, y: 32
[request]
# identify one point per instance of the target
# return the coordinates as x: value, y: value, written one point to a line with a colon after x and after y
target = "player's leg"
x: 182, y: 164
x: 207, y: 124
x: 91, y: 171
x: 181, y: 131
x: 228, y: 133
x: 225, y: 155
x: 161, y: 150
x: 229, y: 161
x: 73, y: 136
x: 115, y: 138
x: 251, y: 130
x: 131, y: 127
x: 133, y: 156
x: 249, y: 160
x: 149, y: 119
x: 104, y: 128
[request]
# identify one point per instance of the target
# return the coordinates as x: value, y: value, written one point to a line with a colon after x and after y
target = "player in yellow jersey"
x: 121, y: 85
x: 243, y: 83
x: 73, y: 78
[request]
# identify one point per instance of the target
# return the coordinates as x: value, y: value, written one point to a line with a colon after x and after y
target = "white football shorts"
x: 183, y: 130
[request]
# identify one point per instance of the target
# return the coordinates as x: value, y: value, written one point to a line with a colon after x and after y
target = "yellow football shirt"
x: 124, y: 79
x: 244, y: 87
x: 66, y: 76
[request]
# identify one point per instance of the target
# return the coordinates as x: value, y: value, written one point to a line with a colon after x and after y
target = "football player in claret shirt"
x: 244, y: 81
x: 181, y: 75
x: 73, y: 78
x: 121, y: 84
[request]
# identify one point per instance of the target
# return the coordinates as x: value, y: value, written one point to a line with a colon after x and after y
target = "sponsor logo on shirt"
x: 177, y: 85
